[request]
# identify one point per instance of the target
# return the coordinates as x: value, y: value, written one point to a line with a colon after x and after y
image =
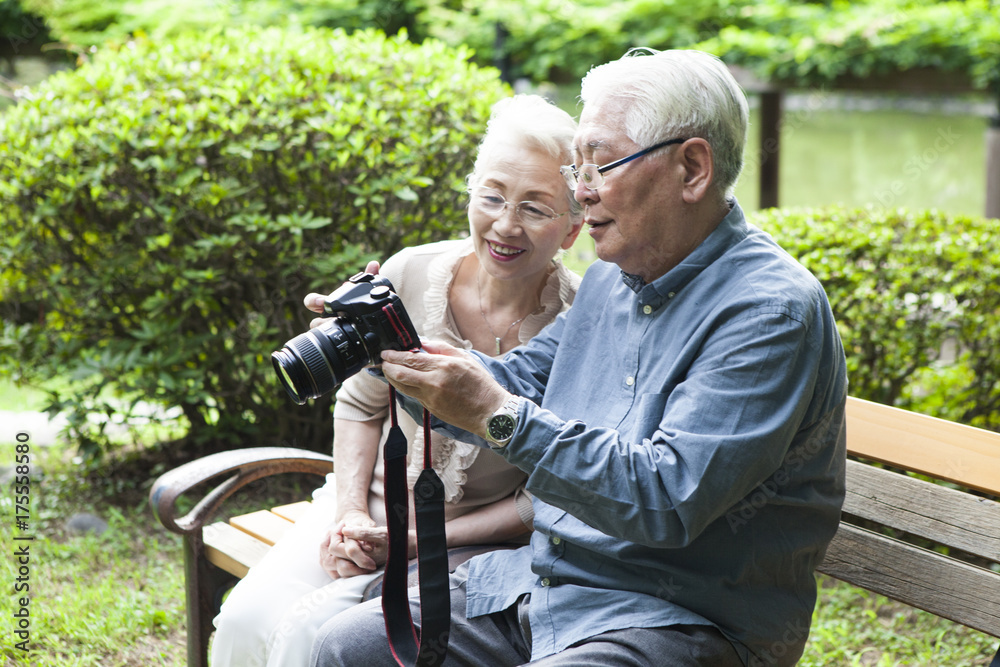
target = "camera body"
x: 366, y: 317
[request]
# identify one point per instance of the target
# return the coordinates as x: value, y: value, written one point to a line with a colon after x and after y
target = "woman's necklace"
x: 482, y: 311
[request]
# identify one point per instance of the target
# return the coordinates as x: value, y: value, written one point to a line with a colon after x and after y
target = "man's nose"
x: 583, y: 194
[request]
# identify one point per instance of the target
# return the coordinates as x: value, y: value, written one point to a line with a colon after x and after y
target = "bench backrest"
x: 964, y: 591
x: 935, y: 447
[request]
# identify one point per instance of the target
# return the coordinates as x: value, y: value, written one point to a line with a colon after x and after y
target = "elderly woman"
x: 489, y: 292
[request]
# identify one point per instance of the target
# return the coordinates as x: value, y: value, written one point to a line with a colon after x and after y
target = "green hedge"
x: 166, y: 207
x: 916, y: 299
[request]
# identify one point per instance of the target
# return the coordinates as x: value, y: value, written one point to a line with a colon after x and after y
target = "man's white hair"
x: 677, y: 94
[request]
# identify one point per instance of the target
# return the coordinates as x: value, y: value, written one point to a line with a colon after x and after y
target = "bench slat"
x: 231, y: 549
x: 263, y: 525
x: 942, y: 449
x: 924, y: 579
x: 940, y: 514
x: 293, y: 511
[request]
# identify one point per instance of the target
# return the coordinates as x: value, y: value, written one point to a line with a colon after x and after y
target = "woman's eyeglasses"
x: 530, y: 213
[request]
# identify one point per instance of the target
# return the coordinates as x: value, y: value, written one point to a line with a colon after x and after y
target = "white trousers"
x: 272, y: 616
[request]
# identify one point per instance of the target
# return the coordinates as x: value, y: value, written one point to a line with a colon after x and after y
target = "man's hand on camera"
x: 314, y: 301
x: 448, y: 381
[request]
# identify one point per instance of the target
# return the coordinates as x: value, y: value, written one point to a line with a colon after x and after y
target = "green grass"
x: 852, y: 626
x: 117, y: 600
x: 114, y: 600
x: 108, y: 600
x: 103, y: 600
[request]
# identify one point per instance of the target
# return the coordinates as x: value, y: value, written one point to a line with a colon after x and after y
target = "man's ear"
x: 574, y: 231
x: 695, y: 156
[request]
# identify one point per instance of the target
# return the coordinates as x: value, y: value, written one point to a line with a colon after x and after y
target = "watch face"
x: 501, y: 427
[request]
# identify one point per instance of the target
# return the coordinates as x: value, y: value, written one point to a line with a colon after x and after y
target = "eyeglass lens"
x: 593, y: 176
x: 530, y: 212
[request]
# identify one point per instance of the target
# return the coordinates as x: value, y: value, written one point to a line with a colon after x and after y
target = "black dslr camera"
x: 367, y: 317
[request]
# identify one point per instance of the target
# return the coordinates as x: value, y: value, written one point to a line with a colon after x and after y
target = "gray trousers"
x: 356, y: 637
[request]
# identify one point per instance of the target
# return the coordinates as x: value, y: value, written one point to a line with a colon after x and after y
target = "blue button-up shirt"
x: 685, y: 445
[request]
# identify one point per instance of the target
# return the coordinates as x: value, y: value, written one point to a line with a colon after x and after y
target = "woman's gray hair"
x: 533, y: 122
x: 677, y: 94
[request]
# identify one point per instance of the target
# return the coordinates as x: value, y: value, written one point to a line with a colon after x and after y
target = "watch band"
x: 501, y: 424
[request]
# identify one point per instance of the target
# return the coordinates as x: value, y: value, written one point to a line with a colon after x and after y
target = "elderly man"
x: 682, y: 425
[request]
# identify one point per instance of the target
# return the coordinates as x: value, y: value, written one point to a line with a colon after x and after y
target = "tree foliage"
x: 798, y: 43
x: 85, y: 24
x: 166, y: 207
x: 814, y: 43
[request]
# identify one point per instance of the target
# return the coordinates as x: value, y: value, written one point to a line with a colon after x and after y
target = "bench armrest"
x: 246, y: 465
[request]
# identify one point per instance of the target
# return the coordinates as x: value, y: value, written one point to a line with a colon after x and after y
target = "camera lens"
x: 314, y: 363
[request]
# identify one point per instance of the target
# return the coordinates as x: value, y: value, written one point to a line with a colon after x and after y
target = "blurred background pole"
x: 500, y: 59
x: 993, y: 166
x: 770, y: 147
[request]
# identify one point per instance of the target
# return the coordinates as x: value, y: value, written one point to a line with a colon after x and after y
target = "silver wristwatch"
x: 501, y: 424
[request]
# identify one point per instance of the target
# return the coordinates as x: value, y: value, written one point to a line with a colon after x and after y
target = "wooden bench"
x: 880, y: 499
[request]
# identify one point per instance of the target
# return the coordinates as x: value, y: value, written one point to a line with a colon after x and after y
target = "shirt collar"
x: 730, y: 231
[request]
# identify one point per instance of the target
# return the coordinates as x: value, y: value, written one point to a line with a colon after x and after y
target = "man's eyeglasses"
x: 593, y: 176
x: 531, y: 213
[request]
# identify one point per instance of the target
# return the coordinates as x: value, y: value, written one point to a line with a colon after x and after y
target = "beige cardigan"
x: 472, y: 476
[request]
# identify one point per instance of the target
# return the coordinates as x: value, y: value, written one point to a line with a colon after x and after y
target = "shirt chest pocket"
x: 645, y: 418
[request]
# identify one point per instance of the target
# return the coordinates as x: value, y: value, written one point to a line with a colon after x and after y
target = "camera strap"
x: 427, y: 646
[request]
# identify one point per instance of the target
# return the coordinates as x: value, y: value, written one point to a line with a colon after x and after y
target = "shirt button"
x: 671, y: 295
x: 647, y: 309
x: 545, y: 582
x: 630, y: 380
x: 556, y: 541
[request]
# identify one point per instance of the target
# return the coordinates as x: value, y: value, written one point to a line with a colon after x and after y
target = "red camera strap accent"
x: 427, y: 646
x: 397, y: 325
